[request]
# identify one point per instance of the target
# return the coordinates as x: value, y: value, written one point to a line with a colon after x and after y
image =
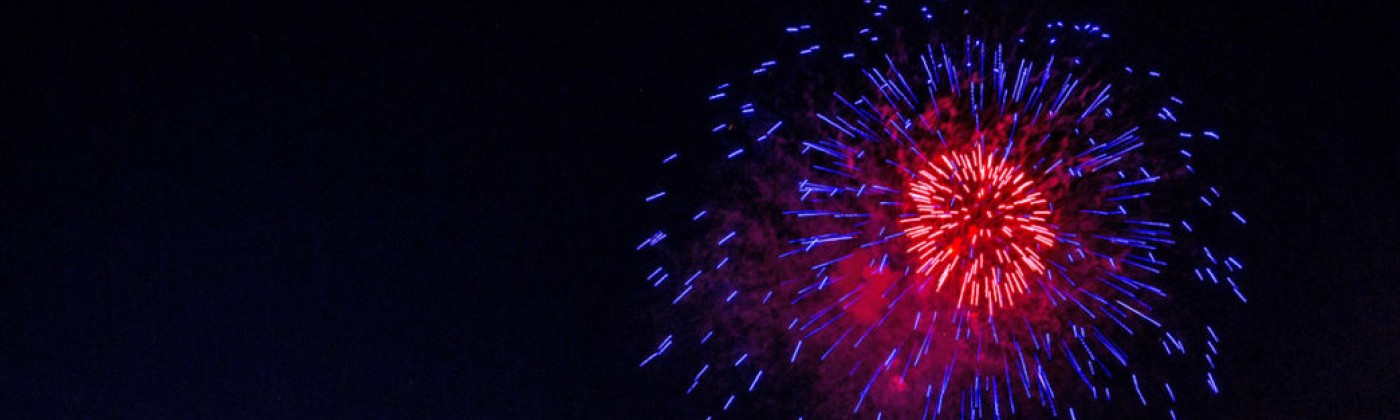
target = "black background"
x: 306, y: 210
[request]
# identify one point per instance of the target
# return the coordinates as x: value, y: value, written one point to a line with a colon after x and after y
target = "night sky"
x: 320, y: 210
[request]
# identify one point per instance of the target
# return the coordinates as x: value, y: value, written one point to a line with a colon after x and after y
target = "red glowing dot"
x: 979, y: 222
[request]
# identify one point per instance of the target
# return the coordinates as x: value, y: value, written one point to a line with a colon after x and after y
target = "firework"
x: 944, y: 218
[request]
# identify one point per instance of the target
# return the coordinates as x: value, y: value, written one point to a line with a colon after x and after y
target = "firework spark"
x: 930, y: 223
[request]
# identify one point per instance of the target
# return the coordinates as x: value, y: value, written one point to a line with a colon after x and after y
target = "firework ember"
x: 943, y: 219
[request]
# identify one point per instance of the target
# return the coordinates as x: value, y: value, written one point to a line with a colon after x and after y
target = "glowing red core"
x: 978, y: 221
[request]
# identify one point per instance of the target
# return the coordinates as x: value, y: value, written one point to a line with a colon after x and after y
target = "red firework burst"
x: 979, y: 221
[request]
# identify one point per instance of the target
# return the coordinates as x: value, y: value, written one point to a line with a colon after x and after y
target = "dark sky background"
x: 322, y: 210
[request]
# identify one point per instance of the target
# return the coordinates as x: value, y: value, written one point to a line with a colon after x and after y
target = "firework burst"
x: 943, y: 219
